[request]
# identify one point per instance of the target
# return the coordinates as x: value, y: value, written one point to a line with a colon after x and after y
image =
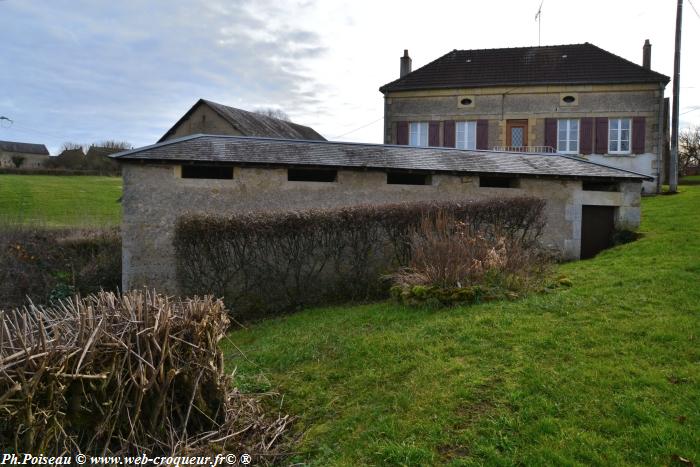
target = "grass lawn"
x: 59, y: 201
x: 606, y: 372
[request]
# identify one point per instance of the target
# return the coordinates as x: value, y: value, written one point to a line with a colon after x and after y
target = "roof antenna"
x: 538, y: 18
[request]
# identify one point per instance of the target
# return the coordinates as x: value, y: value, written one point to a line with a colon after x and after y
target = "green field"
x: 604, y: 373
x: 60, y: 200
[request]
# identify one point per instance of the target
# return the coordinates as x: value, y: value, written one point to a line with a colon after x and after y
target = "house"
x: 218, y: 119
x: 223, y: 175
x: 572, y: 99
x: 22, y: 155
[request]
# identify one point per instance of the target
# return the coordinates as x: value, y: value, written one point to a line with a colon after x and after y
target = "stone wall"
x: 203, y: 120
x: 536, y: 103
x: 155, y: 196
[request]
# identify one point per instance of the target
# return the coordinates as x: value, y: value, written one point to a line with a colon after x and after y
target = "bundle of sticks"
x: 128, y: 373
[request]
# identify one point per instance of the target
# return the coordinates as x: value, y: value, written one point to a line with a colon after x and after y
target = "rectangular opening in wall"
x: 215, y: 172
x: 596, y: 185
x: 498, y: 182
x: 406, y: 178
x: 312, y: 175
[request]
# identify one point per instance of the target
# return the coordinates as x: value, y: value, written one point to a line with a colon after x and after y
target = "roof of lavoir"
x: 254, y: 151
x: 24, y: 148
x: 252, y: 124
x: 554, y: 64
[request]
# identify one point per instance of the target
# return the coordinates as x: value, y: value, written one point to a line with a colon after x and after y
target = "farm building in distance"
x: 22, y: 155
x: 223, y: 175
x: 218, y: 119
x: 573, y: 99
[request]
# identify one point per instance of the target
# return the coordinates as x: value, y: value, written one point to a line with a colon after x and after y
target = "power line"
x: 358, y: 128
x: 697, y: 107
x: 693, y: 7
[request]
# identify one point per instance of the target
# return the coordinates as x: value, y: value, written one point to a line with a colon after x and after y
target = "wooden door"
x: 516, y: 133
x: 597, y: 228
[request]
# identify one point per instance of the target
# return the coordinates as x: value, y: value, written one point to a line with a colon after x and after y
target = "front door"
x: 597, y: 228
x: 516, y: 133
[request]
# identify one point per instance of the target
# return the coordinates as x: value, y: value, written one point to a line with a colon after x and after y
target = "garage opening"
x: 597, y: 229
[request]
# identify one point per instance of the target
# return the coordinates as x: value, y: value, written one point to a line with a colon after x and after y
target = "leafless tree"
x: 272, y: 112
x: 689, y: 149
x: 71, y: 146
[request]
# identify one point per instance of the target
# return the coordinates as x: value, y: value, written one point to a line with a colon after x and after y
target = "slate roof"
x: 252, y: 124
x: 288, y: 152
x: 25, y: 148
x: 554, y: 64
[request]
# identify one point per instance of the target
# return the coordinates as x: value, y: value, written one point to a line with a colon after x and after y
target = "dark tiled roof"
x: 555, y: 64
x: 25, y: 148
x: 288, y: 152
x: 253, y: 124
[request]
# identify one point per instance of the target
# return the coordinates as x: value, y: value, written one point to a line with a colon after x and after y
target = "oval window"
x: 466, y: 101
x: 569, y: 99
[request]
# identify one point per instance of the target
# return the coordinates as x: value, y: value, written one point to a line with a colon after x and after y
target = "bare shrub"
x: 448, y: 253
x: 118, y: 374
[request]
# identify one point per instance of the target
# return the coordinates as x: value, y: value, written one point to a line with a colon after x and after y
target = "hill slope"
x: 607, y: 372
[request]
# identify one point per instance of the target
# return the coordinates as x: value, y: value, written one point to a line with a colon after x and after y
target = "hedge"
x: 270, y: 262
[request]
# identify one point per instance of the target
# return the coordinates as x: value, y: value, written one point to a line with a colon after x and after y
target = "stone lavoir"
x: 224, y: 175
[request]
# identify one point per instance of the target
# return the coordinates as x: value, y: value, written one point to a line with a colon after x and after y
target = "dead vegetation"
x: 123, y: 374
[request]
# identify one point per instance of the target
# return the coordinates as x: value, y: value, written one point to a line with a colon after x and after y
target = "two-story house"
x: 573, y: 99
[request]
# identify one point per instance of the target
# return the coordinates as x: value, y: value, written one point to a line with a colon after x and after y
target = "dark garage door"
x: 597, y: 227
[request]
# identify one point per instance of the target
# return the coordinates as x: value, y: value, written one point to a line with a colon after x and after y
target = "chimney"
x: 405, y: 64
x: 646, y: 56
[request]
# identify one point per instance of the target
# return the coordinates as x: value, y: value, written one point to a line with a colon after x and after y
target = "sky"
x: 91, y: 70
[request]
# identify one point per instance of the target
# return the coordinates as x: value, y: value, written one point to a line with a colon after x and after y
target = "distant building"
x: 30, y: 155
x: 218, y: 119
x: 571, y: 99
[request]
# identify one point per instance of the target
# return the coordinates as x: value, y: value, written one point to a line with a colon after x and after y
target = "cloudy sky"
x: 89, y: 70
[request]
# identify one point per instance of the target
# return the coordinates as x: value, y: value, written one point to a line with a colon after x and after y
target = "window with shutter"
x: 466, y: 135
x: 568, y: 136
x: 619, y: 130
x: 418, y: 134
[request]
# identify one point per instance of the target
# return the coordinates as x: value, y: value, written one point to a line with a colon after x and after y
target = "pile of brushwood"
x: 136, y: 373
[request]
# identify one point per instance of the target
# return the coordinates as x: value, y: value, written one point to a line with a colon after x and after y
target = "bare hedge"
x: 272, y: 262
x: 47, y: 263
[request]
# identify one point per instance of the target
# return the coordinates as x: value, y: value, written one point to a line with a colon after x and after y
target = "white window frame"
x: 567, y: 147
x: 619, y: 140
x: 465, y: 135
x: 419, y: 131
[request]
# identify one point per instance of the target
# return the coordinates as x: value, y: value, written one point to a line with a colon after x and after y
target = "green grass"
x: 605, y: 373
x: 60, y: 200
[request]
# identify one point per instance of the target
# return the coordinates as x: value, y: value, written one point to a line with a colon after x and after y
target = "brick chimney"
x: 405, y: 64
x: 646, y: 56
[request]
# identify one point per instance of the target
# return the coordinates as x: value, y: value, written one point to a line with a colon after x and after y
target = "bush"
x: 46, y: 264
x: 264, y: 263
x: 137, y: 373
x: 453, y: 262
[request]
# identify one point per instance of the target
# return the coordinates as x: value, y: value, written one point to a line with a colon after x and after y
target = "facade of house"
x: 207, y: 117
x: 29, y: 155
x: 223, y: 175
x: 572, y: 99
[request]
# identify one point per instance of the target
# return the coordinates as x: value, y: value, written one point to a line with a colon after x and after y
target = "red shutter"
x: 434, y: 134
x: 638, y: 134
x: 482, y: 134
x: 402, y: 133
x: 601, y: 135
x: 586, y: 136
x: 448, y: 133
x: 550, y: 133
